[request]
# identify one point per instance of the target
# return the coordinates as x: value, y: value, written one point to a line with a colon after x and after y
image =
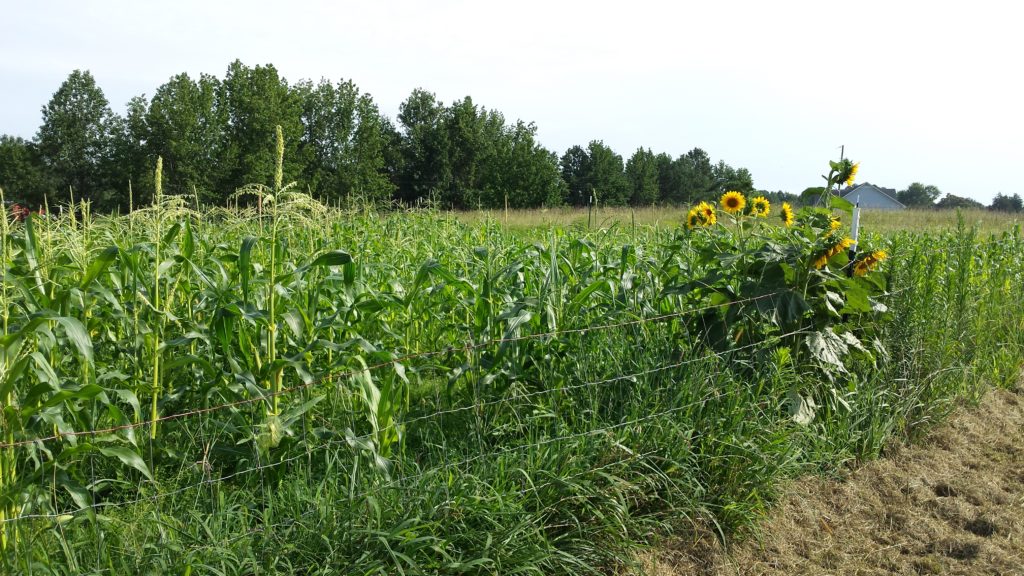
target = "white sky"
x: 916, y: 91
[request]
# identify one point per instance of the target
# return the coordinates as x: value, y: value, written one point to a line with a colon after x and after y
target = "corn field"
x: 294, y: 388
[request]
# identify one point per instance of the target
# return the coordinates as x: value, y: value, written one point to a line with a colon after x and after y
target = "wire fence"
x: 479, y: 405
x: 401, y: 479
x: 399, y: 359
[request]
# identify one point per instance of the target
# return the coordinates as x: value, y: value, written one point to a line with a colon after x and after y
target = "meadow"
x: 985, y: 222
x: 303, y: 389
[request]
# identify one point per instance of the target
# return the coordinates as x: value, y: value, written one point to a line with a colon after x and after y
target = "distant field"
x: 882, y: 221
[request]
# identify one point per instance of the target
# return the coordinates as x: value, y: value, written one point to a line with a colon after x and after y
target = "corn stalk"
x: 8, y: 470
x: 276, y: 375
x: 157, y: 204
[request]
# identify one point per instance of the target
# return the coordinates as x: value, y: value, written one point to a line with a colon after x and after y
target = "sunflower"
x: 869, y: 262
x: 692, y: 218
x: 733, y: 202
x: 707, y: 214
x: 836, y: 248
x: 760, y: 207
x: 842, y: 245
x: 852, y: 174
x: 834, y: 224
x: 787, y: 214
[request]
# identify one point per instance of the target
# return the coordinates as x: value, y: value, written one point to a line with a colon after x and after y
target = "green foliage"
x: 918, y: 194
x: 732, y: 178
x: 212, y: 134
x: 343, y: 144
x: 185, y: 123
x: 21, y: 172
x: 425, y: 168
x: 465, y: 156
x: 1006, y: 203
x: 802, y: 281
x: 75, y: 137
x: 258, y: 100
x: 954, y: 201
x: 357, y: 392
x: 595, y: 174
x: 642, y: 173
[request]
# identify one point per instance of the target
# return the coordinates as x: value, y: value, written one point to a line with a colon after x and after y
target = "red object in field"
x: 19, y: 212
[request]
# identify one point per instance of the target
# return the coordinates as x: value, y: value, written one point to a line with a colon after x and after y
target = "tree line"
x: 217, y: 135
x: 918, y: 195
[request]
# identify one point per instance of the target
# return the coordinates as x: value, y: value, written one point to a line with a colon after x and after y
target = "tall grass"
x: 882, y: 221
x: 354, y: 392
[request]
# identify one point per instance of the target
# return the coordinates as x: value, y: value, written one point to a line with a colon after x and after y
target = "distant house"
x: 874, y: 197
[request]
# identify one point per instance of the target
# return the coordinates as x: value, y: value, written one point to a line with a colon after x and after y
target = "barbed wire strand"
x: 349, y: 441
x: 354, y: 372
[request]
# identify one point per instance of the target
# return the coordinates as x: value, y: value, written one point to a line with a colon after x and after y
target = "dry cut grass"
x: 953, y: 505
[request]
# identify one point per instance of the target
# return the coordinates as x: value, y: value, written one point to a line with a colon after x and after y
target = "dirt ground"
x: 953, y: 504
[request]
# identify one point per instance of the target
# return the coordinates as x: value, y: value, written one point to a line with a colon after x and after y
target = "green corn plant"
x: 276, y: 375
x: 156, y: 350
x: 8, y: 358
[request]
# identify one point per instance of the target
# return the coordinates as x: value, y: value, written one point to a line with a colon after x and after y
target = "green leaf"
x: 841, y: 204
x: 244, y: 267
x: 98, y: 265
x: 188, y: 244
x: 77, y: 334
x: 789, y: 307
x: 79, y: 494
x: 82, y: 393
x: 172, y: 232
x: 812, y: 193
x: 33, y: 263
x: 12, y: 375
x: 332, y: 258
x: 827, y: 347
x: 801, y: 409
x: 293, y: 414
x: 128, y: 457
x: 855, y: 298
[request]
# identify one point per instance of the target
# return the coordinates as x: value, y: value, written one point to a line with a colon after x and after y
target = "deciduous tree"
x: 74, y: 138
x: 918, y: 194
x: 642, y: 174
x: 23, y: 177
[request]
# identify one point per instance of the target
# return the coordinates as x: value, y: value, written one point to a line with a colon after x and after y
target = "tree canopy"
x: 918, y: 195
x: 953, y: 201
x: 216, y: 135
x: 1005, y: 203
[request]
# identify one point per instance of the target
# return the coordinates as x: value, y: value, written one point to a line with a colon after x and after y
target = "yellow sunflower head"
x: 760, y: 207
x: 733, y: 202
x: 860, y: 268
x: 879, y: 255
x: 821, y: 262
x: 834, y: 224
x: 852, y: 174
x: 787, y: 214
x: 707, y: 214
x: 692, y: 218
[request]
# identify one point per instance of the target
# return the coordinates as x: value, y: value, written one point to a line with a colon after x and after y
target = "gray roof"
x: 889, y: 193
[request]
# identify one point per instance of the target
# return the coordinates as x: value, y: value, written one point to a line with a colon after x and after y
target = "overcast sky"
x: 916, y: 91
